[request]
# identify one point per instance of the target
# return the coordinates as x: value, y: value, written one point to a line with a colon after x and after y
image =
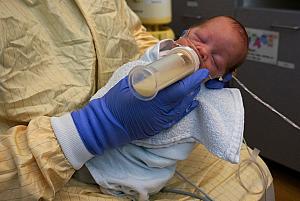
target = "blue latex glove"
x: 119, y: 117
x: 217, y: 84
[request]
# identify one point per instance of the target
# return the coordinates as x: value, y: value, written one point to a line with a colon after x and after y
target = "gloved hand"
x: 217, y: 84
x: 119, y: 117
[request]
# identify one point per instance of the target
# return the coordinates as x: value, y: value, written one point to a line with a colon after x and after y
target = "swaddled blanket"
x: 145, y: 166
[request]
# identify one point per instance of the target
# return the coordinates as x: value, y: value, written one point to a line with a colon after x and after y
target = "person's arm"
x: 118, y: 117
x: 39, y: 159
x: 32, y: 164
x: 143, y: 38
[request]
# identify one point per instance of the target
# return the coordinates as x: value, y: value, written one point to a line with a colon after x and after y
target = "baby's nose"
x: 203, y: 57
x: 206, y: 58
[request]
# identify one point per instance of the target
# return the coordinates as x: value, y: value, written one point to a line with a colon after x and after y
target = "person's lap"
x: 216, y: 177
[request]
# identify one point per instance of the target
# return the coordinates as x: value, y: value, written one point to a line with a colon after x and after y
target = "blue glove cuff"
x: 98, y: 129
x: 217, y: 84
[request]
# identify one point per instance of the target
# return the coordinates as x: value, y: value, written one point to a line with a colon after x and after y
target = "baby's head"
x: 221, y: 43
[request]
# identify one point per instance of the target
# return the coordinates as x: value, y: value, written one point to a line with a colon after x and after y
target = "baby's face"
x: 218, y: 44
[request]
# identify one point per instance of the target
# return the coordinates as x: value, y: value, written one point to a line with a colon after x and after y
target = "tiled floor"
x: 286, y: 182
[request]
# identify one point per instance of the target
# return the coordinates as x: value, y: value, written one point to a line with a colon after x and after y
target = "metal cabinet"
x: 275, y: 83
x: 188, y: 12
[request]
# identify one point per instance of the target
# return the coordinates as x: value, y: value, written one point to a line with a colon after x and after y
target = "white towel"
x: 144, y: 167
x: 217, y: 123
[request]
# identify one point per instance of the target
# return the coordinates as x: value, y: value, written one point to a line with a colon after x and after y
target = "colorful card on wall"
x: 263, y: 45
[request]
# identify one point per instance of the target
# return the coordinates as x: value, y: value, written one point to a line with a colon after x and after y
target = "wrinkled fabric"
x: 54, y: 55
x: 40, y: 75
x: 32, y: 166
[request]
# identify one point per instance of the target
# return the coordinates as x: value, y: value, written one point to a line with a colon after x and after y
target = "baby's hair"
x: 244, y: 36
x: 241, y: 30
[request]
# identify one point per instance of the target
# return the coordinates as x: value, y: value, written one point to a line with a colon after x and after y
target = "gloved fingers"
x: 227, y: 77
x: 179, y: 116
x: 217, y: 84
x: 185, y: 104
x: 123, y: 84
x: 193, y: 105
x: 183, y: 107
x: 175, y: 111
x: 182, y: 88
x: 193, y: 81
x: 214, y: 84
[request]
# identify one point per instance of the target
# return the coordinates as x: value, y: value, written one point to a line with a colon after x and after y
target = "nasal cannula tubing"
x: 267, y: 105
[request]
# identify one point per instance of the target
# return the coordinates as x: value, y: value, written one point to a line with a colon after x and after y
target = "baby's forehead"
x: 216, y: 28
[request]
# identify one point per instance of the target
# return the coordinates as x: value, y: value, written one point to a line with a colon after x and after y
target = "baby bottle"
x: 146, y: 81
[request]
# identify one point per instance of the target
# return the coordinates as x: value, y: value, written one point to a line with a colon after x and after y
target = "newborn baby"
x: 220, y: 42
x: 145, y: 166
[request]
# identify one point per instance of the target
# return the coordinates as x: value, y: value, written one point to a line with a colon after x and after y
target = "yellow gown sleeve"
x: 143, y: 38
x: 32, y: 164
